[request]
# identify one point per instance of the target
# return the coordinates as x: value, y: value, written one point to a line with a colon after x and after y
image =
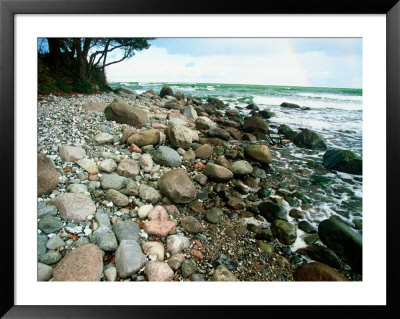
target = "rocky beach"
x: 165, y: 186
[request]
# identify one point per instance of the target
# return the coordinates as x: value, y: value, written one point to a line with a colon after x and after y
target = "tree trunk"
x: 54, y: 51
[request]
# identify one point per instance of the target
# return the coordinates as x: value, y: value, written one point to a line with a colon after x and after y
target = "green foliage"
x: 82, y: 86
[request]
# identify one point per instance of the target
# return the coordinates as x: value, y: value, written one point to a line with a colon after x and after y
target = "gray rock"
x: 81, y: 242
x: 111, y: 274
x: 106, y: 240
x: 219, y: 132
x: 197, y: 277
x: 126, y: 230
x: 78, y: 189
x: 50, y: 258
x: 44, y: 272
x: 241, y: 168
x: 71, y: 153
x: 93, y: 185
x: 167, y: 156
x: 191, y: 224
x: 109, y: 155
x: 213, y: 215
x: 41, y: 245
x: 74, y: 206
x: 149, y: 194
x: 83, y: 176
x: 103, y: 138
x: 177, y: 243
x: 189, y: 112
x: 74, y: 228
x: 175, y: 120
x: 50, y: 224
x: 89, y: 165
x: 102, y: 218
x: 108, y: 165
x: 113, y: 181
x: 129, y: 258
x: 188, y: 268
x: 227, y: 262
x: 55, y: 242
x: 43, y: 209
x: 201, y: 179
x: 117, y: 198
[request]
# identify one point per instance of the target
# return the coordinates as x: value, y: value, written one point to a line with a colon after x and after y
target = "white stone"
x: 144, y: 211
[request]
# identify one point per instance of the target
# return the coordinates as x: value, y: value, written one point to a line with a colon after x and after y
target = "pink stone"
x: 81, y: 264
x: 196, y: 254
x: 158, y: 271
x: 134, y: 149
x: 154, y: 248
x: 159, y: 228
x: 175, y: 262
x: 158, y: 126
x: 128, y: 168
x: 158, y: 213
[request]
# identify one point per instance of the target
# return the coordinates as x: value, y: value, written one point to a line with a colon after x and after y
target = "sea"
x: 335, y: 113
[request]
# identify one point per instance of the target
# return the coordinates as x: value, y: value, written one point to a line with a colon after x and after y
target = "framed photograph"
x: 254, y: 138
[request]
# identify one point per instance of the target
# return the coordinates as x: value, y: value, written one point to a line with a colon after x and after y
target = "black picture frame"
x: 8, y: 10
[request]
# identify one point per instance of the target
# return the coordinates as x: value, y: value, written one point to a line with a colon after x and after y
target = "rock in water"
x: 290, y: 105
x: 343, y: 161
x: 75, y: 207
x: 343, y: 240
x: 166, y: 90
x: 147, y: 137
x: 255, y: 124
x: 47, y: 175
x: 177, y: 186
x: 284, y: 231
x: 217, y: 173
x: 81, y: 264
x: 260, y: 153
x: 123, y: 113
x: 179, y: 136
x: 129, y: 258
x: 287, y: 132
x: 309, y: 139
x: 71, y: 153
x: 271, y: 211
x: 317, y: 272
x: 167, y: 156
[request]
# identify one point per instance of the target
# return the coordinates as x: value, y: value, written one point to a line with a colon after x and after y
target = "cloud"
x: 189, y: 65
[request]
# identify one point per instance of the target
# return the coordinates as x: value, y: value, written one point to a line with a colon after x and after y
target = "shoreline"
x: 236, y: 230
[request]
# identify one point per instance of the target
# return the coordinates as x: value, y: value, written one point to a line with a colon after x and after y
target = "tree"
x: 89, y: 55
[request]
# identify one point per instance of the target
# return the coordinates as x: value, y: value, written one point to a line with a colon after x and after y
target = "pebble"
x: 55, y: 242
x: 158, y: 271
x: 191, y: 224
x: 50, y: 224
x: 117, y: 198
x: 154, y: 248
x: 144, y: 211
x: 44, y: 272
x: 108, y: 165
x: 129, y: 258
x: 188, y: 268
x: 175, y: 261
x: 177, y: 243
x: 50, y: 258
x: 110, y: 274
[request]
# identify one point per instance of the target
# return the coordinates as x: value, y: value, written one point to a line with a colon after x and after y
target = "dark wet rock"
x: 266, y: 114
x: 343, y: 161
x: 226, y: 262
x: 266, y: 248
x: 215, y: 102
x: 219, y: 133
x: 123, y: 113
x: 255, y: 124
x: 290, y: 105
x: 343, y: 240
x: 213, y: 215
x: 284, y: 231
x: 201, y: 179
x: 311, y: 239
x: 287, y: 132
x: 321, y: 254
x: 264, y: 234
x: 41, y: 245
x: 177, y: 186
x: 306, y: 227
x: 317, y: 272
x: 271, y: 211
x: 166, y: 90
x: 178, y: 95
x: 309, y: 139
x: 236, y: 203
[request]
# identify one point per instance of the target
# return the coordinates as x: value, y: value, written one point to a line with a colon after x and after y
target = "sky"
x: 315, y: 62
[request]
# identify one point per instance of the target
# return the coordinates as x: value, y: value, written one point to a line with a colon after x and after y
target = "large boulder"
x: 84, y: 263
x: 271, y: 211
x: 284, y: 231
x: 179, y: 136
x: 177, y: 186
x: 260, y: 153
x: 47, y: 176
x: 217, y: 173
x: 123, y: 113
x: 255, y: 124
x: 167, y: 156
x: 343, y: 240
x: 75, y: 207
x: 287, y: 132
x: 321, y: 254
x: 166, y: 90
x: 309, y: 139
x: 317, y: 272
x: 343, y: 161
x: 147, y: 137
x: 215, y: 102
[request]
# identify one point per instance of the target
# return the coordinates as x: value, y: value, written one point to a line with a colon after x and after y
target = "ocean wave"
x: 330, y: 96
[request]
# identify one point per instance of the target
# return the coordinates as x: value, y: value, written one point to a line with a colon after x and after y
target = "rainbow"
x: 295, y: 62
